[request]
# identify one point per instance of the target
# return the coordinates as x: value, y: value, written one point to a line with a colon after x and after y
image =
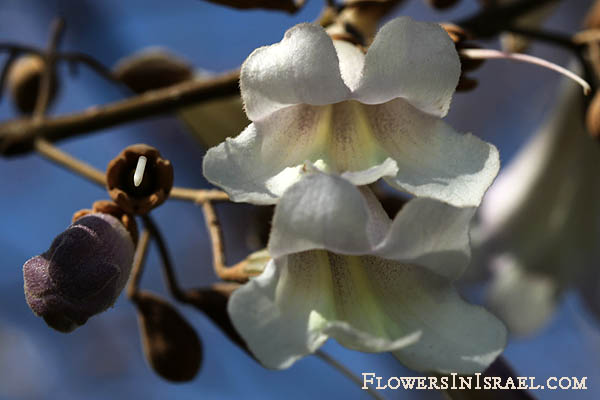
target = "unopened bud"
x: 153, y: 188
x: 24, y: 80
x: 170, y: 344
x: 82, y: 274
x: 592, y: 117
x: 152, y: 69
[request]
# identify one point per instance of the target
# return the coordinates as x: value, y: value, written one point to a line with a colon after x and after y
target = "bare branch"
x: 290, y: 6
x: 17, y: 136
x: 493, y: 20
x: 54, y: 154
x: 138, y: 264
x: 47, y: 79
x: 235, y: 273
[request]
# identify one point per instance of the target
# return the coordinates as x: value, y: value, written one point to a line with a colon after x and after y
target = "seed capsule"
x: 152, y: 69
x: 24, y: 78
x: 154, y: 183
x: 170, y: 344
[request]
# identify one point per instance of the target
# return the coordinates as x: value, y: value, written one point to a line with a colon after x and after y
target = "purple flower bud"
x: 82, y: 273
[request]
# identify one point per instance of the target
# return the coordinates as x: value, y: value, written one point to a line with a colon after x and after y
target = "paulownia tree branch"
x: 290, y: 6
x: 17, y: 136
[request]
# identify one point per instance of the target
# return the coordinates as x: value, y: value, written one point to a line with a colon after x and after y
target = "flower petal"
x: 352, y: 60
x: 525, y: 301
x: 258, y: 165
x: 367, y: 304
x: 432, y: 159
x: 291, y: 309
x: 413, y: 60
x: 327, y: 212
x: 301, y: 69
x: 438, y: 239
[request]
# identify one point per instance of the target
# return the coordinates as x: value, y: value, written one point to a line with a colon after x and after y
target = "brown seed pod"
x: 24, y: 78
x: 441, y: 4
x: 110, y: 207
x: 592, y: 117
x: 170, y: 344
x: 152, y: 69
x: 155, y: 185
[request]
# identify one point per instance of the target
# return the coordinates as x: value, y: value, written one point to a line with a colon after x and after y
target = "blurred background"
x: 103, y: 359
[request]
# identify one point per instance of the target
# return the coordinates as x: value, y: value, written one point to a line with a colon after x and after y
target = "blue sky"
x: 103, y: 358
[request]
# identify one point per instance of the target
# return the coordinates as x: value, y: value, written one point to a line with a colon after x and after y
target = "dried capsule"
x: 82, y: 274
x: 152, y: 69
x: 24, y: 78
x: 170, y: 344
x: 139, y: 196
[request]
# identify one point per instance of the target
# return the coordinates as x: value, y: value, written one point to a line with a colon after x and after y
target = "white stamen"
x: 489, y: 53
x: 139, y: 171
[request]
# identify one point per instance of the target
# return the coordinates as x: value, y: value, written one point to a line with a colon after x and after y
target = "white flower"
x: 342, y: 269
x: 366, y: 116
x: 540, y: 222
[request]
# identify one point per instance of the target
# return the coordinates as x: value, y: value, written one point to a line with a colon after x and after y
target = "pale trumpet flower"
x: 365, y: 116
x: 342, y: 269
x: 540, y: 222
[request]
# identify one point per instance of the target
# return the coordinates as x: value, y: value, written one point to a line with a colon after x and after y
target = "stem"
x: 555, y: 38
x: 587, y: 36
x: 47, y: 79
x: 168, y: 269
x: 234, y: 273
x: 345, y: 371
x: 139, y: 259
x: 493, y: 20
x: 91, y: 62
x: 485, y: 54
x: 198, y: 196
x: 54, y: 154
x: 16, y: 136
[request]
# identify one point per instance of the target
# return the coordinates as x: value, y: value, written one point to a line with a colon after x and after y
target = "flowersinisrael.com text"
x: 478, y: 382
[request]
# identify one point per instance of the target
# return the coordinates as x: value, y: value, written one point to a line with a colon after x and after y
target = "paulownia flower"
x: 366, y: 116
x: 342, y: 269
x: 83, y: 272
x: 540, y: 222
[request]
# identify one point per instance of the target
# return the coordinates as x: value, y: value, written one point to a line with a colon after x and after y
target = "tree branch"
x: 493, y: 20
x: 139, y: 259
x: 17, y: 136
x: 235, y: 273
x: 47, y: 79
x: 290, y: 6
